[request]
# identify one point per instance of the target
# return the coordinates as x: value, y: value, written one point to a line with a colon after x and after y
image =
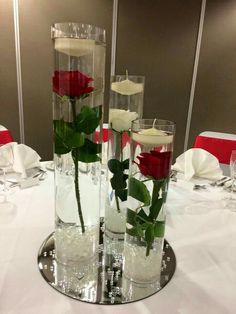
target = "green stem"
x: 144, y: 220
x: 77, y: 193
x: 155, y: 191
x: 155, y: 196
x: 149, y: 245
x: 73, y: 103
x: 119, y: 156
x: 121, y: 146
x: 117, y: 203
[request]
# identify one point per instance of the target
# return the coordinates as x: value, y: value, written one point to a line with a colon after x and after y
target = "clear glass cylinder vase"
x: 125, y: 105
x: 78, y: 88
x: 151, y: 157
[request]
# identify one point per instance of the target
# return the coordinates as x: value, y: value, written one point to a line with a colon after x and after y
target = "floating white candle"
x: 74, y: 46
x: 152, y: 137
x: 127, y: 87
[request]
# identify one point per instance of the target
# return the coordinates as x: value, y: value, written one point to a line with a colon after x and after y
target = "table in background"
x: 204, y: 244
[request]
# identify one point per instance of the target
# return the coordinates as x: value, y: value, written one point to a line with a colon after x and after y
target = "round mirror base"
x: 101, y: 282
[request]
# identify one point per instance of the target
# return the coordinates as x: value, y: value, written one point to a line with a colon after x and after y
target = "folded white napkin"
x: 24, y: 158
x: 198, y: 162
x: 2, y: 128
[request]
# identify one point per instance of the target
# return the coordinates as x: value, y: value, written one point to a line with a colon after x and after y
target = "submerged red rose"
x: 155, y: 164
x: 71, y: 83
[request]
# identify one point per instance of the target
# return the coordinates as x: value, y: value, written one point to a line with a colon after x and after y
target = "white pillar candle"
x: 75, y: 46
x: 152, y: 137
x: 127, y: 87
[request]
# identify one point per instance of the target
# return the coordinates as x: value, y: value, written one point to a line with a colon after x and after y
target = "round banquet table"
x: 201, y: 231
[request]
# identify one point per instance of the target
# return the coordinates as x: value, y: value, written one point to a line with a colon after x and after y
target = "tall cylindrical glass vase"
x: 78, y: 88
x: 125, y: 105
x: 151, y: 156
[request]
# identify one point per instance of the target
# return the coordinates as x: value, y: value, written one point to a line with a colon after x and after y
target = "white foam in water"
x: 139, y: 267
x: 73, y: 246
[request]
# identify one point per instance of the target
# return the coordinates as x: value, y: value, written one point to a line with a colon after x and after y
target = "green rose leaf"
x: 122, y: 194
x: 155, y: 208
x: 118, y: 181
x: 125, y: 164
x: 125, y: 176
x: 62, y: 128
x: 114, y: 165
x: 88, y: 119
x: 65, y: 136
x: 142, y: 216
x: 157, y: 185
x: 149, y: 238
x: 59, y: 147
x: 140, y: 230
x: 130, y: 217
x: 88, y: 152
x: 84, y: 157
x: 139, y: 191
x: 74, y: 140
x: 91, y: 147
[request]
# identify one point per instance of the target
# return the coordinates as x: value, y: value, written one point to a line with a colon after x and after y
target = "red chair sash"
x: 5, y: 137
x: 220, y: 148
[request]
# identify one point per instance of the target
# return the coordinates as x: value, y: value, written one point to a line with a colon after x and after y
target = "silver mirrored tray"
x: 102, y: 281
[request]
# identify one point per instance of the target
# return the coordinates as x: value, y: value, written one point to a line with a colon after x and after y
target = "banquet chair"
x: 5, y: 135
x: 218, y: 144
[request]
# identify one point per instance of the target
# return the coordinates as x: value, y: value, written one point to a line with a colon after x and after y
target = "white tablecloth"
x: 204, y: 241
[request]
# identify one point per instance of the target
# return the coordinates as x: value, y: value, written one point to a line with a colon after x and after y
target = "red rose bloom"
x: 155, y: 164
x: 71, y: 83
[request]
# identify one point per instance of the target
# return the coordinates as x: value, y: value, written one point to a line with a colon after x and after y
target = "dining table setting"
x: 114, y: 222
x: 200, y: 231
